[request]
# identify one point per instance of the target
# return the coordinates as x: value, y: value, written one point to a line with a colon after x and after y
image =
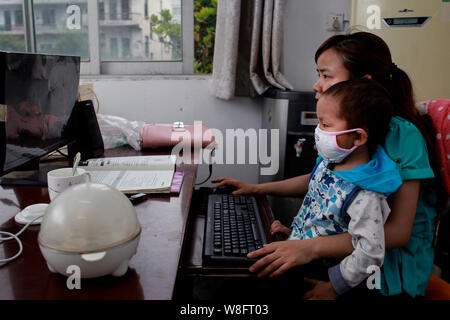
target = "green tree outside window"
x: 205, y: 12
x: 169, y: 33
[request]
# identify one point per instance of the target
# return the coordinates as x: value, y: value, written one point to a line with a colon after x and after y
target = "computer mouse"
x: 32, y: 214
x: 225, y: 189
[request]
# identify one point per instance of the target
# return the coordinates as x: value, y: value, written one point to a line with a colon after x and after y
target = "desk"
x: 152, y: 271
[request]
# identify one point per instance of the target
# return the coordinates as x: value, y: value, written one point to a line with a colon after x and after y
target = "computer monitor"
x: 37, y: 95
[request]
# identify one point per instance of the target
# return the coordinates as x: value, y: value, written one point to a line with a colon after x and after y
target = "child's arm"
x: 368, y: 212
x: 278, y: 227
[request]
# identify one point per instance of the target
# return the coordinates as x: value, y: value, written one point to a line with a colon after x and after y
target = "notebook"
x: 142, y: 174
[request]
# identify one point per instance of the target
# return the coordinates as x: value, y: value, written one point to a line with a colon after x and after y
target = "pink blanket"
x: 439, y: 111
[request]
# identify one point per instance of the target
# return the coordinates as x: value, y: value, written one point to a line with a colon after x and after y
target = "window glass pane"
x: 140, y: 30
x: 205, y: 12
x: 62, y: 27
x: 12, y: 31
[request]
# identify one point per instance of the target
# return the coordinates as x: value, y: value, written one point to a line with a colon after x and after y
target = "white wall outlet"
x: 335, y: 22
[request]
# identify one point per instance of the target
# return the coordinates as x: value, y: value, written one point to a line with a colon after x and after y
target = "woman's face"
x: 330, y: 70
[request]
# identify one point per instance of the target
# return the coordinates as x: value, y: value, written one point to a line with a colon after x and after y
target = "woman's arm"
x: 398, y: 227
x: 283, y: 255
x: 295, y: 187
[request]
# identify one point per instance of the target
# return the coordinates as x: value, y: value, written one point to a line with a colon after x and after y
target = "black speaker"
x: 2, y: 144
x: 83, y: 127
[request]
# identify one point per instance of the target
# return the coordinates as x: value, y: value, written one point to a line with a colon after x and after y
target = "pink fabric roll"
x: 166, y: 135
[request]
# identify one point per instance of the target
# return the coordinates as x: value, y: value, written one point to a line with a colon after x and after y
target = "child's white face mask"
x: 327, y: 146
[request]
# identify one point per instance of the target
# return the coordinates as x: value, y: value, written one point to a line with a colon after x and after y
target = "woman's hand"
x: 278, y: 227
x: 241, y: 187
x: 280, y: 257
x: 323, y: 290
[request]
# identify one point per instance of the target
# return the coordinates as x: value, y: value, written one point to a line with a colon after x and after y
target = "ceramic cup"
x: 60, y: 179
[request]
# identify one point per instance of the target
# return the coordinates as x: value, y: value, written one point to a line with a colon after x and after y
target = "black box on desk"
x: 83, y: 126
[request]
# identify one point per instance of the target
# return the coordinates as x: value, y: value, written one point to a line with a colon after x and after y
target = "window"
x: 205, y: 12
x: 46, y: 47
x: 12, y: 36
x: 125, y: 10
x: 48, y: 17
x: 146, y: 8
x: 18, y: 17
x: 7, y: 17
x: 125, y: 48
x: 61, y: 29
x: 101, y: 10
x: 110, y: 36
x: 114, y: 49
x: 147, y: 48
x: 113, y: 9
x: 149, y: 37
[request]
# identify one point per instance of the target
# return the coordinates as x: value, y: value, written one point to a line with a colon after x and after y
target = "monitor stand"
x: 30, y: 177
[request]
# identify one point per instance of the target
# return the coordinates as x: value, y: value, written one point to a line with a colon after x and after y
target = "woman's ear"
x: 367, y: 76
x: 361, y: 137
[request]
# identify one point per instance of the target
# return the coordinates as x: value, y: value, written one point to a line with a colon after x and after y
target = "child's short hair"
x: 364, y: 104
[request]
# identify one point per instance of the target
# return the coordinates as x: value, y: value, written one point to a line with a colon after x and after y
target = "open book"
x: 143, y: 174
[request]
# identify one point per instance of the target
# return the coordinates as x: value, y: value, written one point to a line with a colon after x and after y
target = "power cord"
x: 16, y: 237
x: 210, y: 168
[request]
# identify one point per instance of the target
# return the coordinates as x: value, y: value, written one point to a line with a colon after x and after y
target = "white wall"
x: 305, y: 30
x: 187, y: 99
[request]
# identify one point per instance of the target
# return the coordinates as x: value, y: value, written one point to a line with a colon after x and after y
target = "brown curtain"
x: 248, y: 48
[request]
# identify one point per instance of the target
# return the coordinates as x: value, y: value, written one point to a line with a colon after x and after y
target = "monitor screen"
x: 37, y: 95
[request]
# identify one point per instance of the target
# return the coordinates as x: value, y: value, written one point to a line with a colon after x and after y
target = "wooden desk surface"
x: 152, y: 271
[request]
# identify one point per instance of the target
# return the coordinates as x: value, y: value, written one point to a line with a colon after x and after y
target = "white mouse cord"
x: 15, y: 237
x: 18, y: 241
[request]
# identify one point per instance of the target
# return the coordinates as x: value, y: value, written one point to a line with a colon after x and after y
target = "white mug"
x: 60, y: 179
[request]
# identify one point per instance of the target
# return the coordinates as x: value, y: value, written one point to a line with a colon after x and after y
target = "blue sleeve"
x: 406, y: 146
x: 337, y: 280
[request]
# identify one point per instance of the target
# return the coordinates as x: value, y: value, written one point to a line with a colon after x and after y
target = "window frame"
x: 95, y: 66
x: 185, y: 66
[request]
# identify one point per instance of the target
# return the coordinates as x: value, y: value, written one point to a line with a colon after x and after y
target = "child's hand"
x: 277, y: 226
x: 323, y: 290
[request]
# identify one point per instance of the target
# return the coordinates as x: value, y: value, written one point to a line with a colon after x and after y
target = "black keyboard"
x: 233, y: 228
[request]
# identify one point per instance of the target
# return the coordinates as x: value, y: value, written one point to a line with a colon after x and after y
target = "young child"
x: 348, y: 187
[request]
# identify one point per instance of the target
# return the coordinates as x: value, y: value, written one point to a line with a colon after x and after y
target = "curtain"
x: 248, y: 48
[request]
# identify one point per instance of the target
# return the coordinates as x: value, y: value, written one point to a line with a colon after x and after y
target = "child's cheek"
x: 344, y: 141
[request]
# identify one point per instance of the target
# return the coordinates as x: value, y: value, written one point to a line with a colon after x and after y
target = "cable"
x: 61, y: 153
x: 18, y: 241
x: 96, y: 98
x: 210, y: 168
x: 52, y: 156
x: 16, y: 237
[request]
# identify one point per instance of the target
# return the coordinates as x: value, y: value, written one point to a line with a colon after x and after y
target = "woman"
x: 410, y: 228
